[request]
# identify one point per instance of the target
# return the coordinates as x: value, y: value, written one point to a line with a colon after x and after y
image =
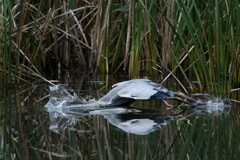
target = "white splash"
x: 61, y: 96
x: 216, y: 104
x: 213, y: 105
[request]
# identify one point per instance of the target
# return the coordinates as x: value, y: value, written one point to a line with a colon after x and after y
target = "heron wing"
x: 137, y: 90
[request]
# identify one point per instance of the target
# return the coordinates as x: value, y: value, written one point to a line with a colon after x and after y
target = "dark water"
x: 145, y: 130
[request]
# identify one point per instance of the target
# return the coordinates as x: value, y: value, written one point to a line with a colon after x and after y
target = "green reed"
x: 197, y: 41
x: 210, y: 30
x: 5, y: 41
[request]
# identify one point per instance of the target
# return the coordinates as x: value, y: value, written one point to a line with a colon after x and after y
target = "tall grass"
x: 211, y: 30
x: 195, y: 40
x: 6, y: 41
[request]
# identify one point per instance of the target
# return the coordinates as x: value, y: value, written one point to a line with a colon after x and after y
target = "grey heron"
x: 124, y: 93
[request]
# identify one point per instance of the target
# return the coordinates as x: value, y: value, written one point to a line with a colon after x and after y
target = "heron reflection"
x: 131, y: 120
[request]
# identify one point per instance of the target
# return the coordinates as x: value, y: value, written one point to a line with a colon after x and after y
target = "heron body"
x: 124, y: 93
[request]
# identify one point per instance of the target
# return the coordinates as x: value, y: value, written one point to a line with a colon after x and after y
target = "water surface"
x: 146, y: 130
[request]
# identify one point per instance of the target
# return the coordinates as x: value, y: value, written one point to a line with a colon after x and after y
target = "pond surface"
x: 32, y: 127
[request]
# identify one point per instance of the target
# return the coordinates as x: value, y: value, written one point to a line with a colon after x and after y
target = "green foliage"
x: 197, y: 41
x: 207, y: 33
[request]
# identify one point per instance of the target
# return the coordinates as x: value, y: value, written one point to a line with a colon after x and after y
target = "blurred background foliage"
x: 190, y: 40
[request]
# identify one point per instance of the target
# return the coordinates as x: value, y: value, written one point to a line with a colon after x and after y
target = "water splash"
x: 61, y: 96
x: 212, y: 105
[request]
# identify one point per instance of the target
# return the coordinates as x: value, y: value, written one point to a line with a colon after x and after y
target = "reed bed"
x: 192, y: 40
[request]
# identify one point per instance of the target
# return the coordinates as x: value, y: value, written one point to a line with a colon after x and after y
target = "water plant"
x: 194, y: 41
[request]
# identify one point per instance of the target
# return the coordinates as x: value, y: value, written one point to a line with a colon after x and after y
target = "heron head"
x: 170, y: 93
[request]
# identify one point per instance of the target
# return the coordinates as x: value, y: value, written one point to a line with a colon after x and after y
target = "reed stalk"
x: 198, y: 40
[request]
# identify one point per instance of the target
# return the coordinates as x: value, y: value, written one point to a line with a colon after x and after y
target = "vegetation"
x: 180, y: 39
x: 192, y: 40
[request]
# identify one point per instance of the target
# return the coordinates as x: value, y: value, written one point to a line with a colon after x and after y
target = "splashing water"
x: 212, y: 105
x: 215, y: 105
x: 60, y: 97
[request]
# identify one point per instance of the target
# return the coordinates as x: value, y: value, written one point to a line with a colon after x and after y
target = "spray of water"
x: 212, y: 105
x: 61, y: 96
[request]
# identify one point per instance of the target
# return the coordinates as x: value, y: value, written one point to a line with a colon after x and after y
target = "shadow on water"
x: 36, y: 127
